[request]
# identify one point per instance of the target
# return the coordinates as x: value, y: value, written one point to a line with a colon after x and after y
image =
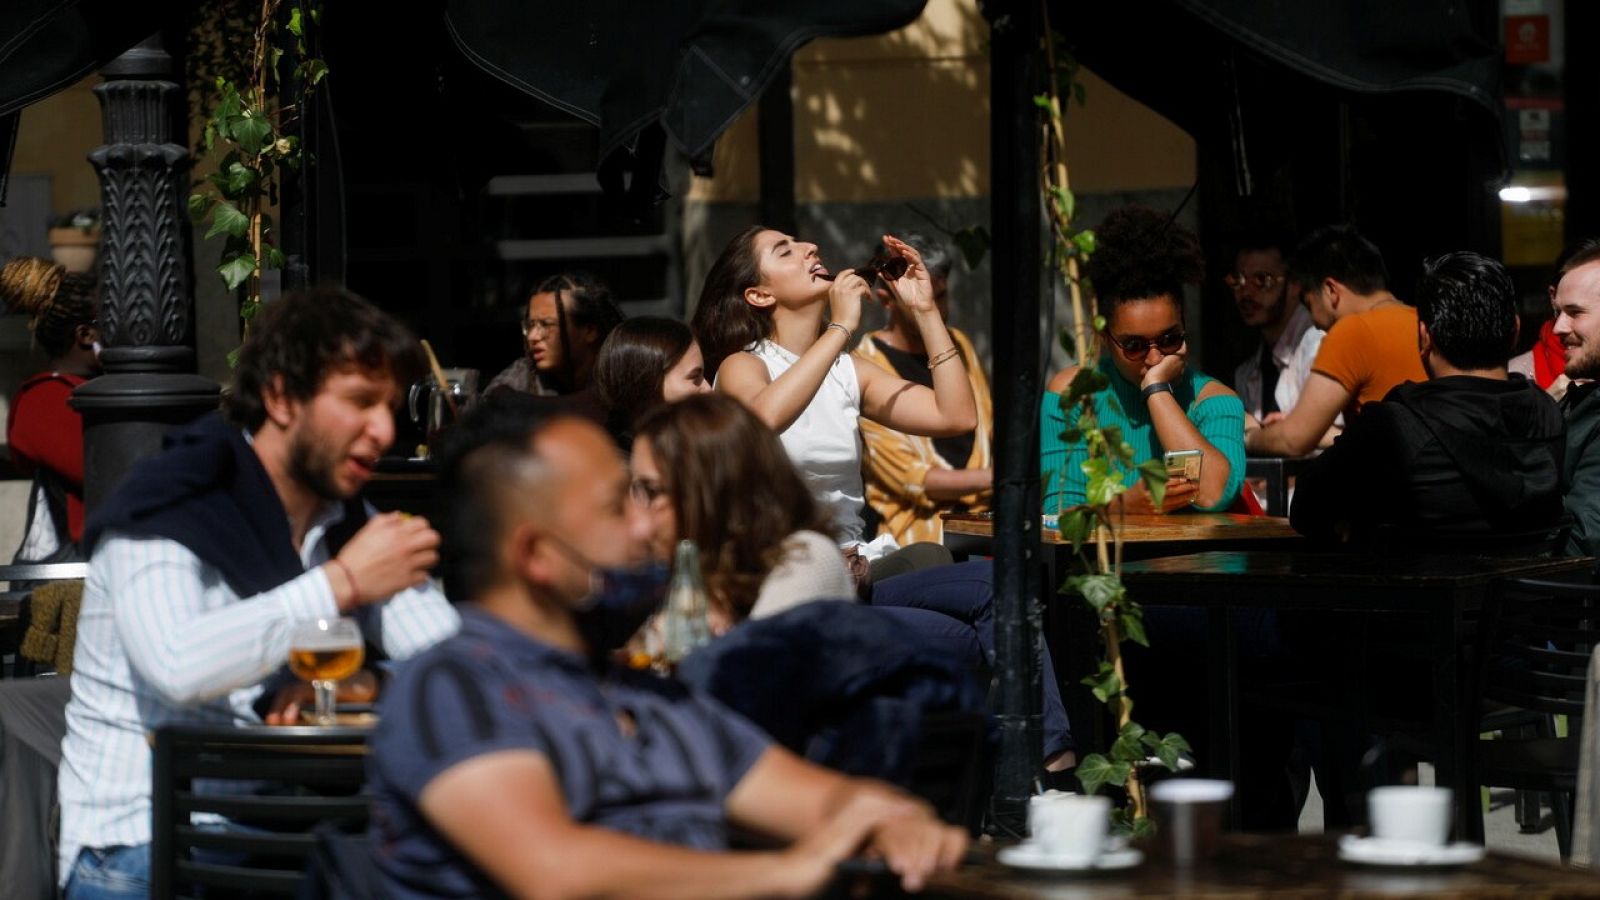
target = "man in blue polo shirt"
x: 515, y: 757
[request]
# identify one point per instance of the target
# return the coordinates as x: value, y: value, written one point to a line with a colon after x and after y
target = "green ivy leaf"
x: 200, y: 201
x: 314, y: 70
x: 1100, y: 591
x: 1074, y: 525
x: 1104, y: 683
x: 1042, y: 101
x: 240, y: 178
x: 1088, y: 381
x: 227, y: 219
x: 1130, y: 620
x: 1129, y: 745
x: 296, y: 28
x: 276, y: 260
x: 1168, y: 749
x: 1079, y: 94
x: 1085, y: 242
x: 237, y: 270
x: 1154, y: 473
x: 974, y: 243
x: 1068, y: 345
x: 252, y: 132
x: 1100, y: 486
x: 1100, y: 325
x: 1095, y: 772
x: 233, y: 358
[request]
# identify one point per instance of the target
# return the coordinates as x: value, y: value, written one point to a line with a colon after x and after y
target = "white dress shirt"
x: 1294, y: 352
x: 162, y: 638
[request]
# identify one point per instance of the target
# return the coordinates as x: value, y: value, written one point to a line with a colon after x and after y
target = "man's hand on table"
x: 900, y: 829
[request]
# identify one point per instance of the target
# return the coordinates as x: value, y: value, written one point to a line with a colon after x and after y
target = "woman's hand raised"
x: 844, y: 298
x: 913, y: 291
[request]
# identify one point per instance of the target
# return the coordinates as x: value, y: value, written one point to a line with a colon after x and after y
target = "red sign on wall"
x: 1527, y: 39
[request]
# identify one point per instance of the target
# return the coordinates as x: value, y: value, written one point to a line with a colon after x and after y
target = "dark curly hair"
x: 307, y: 335
x: 1142, y: 254
x: 1470, y: 307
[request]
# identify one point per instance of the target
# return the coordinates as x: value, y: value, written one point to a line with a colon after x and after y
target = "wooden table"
x: 1440, y: 591
x: 1070, y: 628
x: 1261, y: 866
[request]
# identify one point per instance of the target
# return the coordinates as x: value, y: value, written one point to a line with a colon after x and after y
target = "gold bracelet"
x: 943, y: 357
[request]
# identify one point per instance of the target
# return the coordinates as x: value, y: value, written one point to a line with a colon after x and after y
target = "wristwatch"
x: 1160, y: 387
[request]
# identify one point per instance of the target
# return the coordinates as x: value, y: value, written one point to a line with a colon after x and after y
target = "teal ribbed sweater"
x: 1220, y: 420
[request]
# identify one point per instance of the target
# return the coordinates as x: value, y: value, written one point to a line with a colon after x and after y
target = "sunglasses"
x: 1137, y: 347
x: 890, y: 269
x: 1262, y: 281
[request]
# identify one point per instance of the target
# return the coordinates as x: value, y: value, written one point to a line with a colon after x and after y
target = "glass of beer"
x: 323, y: 652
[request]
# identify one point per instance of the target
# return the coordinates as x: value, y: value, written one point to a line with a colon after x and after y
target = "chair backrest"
x: 951, y: 766
x: 1538, y: 636
x: 273, y: 785
x: 20, y: 579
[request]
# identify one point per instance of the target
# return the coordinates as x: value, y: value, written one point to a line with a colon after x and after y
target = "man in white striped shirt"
x: 210, y: 553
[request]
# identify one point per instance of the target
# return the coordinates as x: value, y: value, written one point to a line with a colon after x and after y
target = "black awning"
x: 691, y: 66
x: 49, y: 45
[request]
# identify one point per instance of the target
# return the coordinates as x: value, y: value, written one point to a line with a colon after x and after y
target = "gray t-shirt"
x: 493, y: 688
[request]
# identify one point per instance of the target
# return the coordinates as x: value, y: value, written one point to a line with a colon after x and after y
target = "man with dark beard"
x: 209, y: 554
x: 1577, y: 325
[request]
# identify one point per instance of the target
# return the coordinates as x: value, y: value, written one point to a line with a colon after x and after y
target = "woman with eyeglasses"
x: 567, y: 318
x: 1142, y: 262
x: 712, y: 472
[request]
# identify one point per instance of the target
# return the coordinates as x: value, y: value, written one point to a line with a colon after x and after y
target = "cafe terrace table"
x: 1271, y: 866
x: 1070, y: 627
x: 1440, y: 591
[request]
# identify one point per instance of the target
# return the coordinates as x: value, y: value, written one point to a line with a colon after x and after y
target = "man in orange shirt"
x: 1370, y: 348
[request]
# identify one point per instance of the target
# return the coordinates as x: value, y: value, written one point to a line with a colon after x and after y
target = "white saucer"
x: 1371, y: 851
x: 1036, y: 858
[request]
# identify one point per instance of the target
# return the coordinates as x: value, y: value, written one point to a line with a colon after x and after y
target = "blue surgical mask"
x: 619, y: 602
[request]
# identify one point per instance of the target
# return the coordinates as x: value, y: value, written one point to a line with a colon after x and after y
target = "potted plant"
x: 74, y: 238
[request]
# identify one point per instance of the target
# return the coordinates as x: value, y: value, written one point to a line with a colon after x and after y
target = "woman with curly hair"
x: 1143, y: 261
x: 44, y: 432
x: 567, y: 318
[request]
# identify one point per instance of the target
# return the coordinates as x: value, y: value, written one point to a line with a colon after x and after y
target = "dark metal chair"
x: 287, y: 782
x: 1537, y: 639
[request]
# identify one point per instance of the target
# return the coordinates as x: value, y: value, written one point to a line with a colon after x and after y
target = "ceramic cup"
x: 1071, y: 827
x: 1188, y: 814
x: 1413, y: 814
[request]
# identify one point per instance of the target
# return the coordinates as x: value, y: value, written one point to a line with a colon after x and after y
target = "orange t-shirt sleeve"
x: 1343, y: 355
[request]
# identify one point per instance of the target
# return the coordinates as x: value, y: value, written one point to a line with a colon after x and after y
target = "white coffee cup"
x: 1413, y: 814
x: 1069, y: 827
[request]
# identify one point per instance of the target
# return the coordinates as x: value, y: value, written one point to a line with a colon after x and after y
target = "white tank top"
x: 824, y: 443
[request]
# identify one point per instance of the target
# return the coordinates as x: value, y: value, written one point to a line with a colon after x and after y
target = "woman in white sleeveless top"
x: 775, y: 327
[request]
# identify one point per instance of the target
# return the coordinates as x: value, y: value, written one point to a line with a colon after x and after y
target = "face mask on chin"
x: 620, y: 600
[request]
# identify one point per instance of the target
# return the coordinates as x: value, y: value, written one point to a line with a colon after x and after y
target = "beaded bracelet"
x: 943, y: 357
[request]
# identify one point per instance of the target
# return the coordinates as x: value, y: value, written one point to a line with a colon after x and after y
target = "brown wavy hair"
x: 733, y: 491
x: 57, y: 302
x: 723, y: 321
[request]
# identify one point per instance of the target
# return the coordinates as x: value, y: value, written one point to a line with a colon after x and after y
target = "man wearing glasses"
x: 1343, y: 283
x: 1269, y: 381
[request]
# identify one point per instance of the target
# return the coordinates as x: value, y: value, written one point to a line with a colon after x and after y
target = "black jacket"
x: 1450, y: 456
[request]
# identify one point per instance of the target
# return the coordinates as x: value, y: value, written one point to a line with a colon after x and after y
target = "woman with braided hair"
x: 44, y: 432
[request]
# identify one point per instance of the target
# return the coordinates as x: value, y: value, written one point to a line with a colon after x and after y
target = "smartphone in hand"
x: 1184, y: 464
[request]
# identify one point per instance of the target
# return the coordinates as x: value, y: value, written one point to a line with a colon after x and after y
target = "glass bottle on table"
x: 324, y: 652
x: 685, y: 624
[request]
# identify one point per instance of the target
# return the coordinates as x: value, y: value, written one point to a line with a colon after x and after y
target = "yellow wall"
x: 907, y: 115
x: 55, y: 138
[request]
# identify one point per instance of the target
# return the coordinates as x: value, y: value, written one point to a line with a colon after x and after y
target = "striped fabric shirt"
x: 162, y: 638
